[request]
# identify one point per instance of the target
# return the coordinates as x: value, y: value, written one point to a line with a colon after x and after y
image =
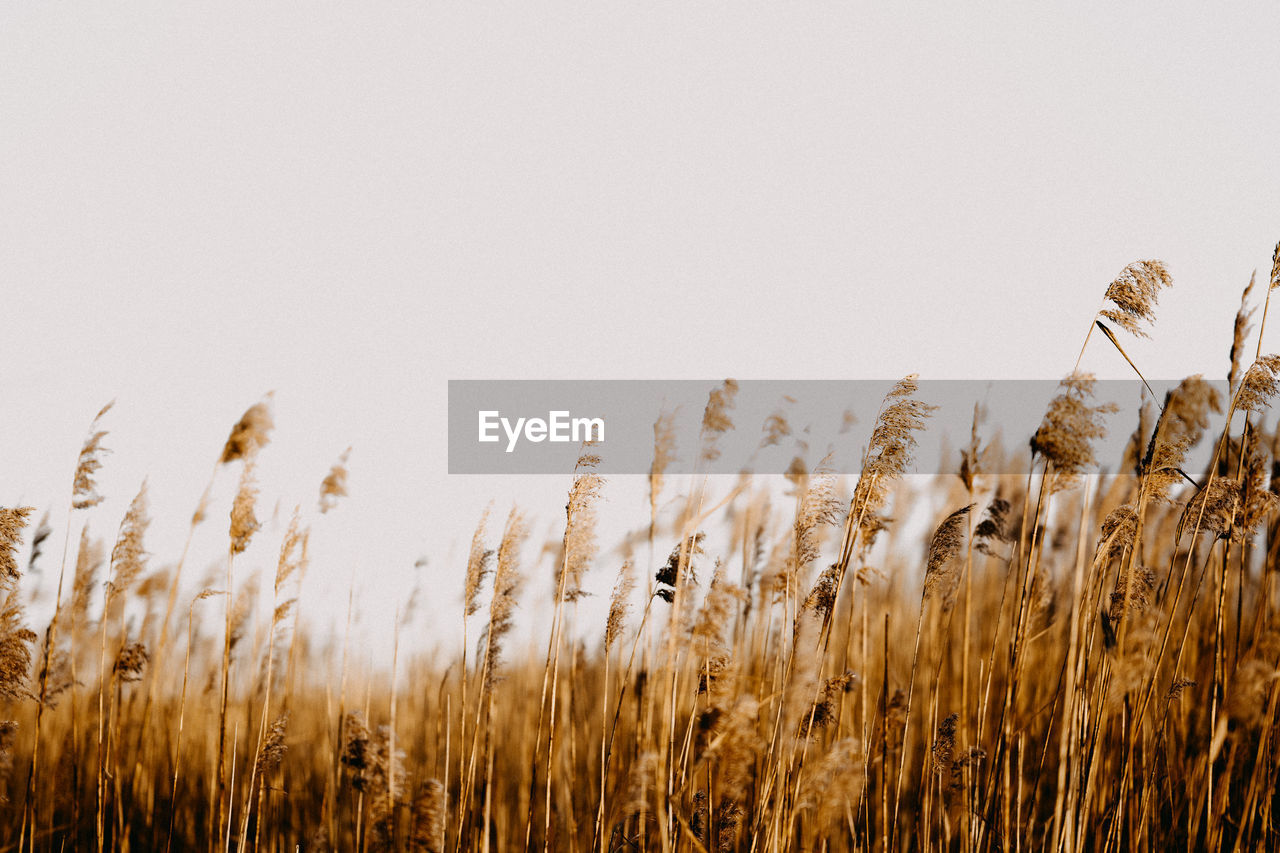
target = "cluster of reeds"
x: 1069, y: 662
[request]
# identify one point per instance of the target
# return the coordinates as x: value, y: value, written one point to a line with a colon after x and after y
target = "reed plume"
x: 273, y: 748
x: 1132, y: 296
x: 889, y: 453
x: 129, y: 555
x: 130, y: 662
x: 249, y: 434
x: 993, y: 527
x: 479, y: 564
x: 664, y: 453
x: 940, y: 578
x: 776, y: 427
x: 579, y: 543
x: 12, y: 523
x: 90, y: 559
x: 819, y: 507
x: 715, y: 418
x: 670, y: 576
x: 244, y: 521
x: 1240, y: 333
x: 430, y: 810
x: 1065, y: 437
x: 1259, y: 385
x: 84, y: 492
x: 506, y: 585
x: 334, y: 485
x: 1180, y: 427
x: 17, y: 647
x: 619, y: 603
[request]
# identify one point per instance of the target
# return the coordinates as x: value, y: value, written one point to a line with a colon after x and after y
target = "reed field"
x: 1064, y: 660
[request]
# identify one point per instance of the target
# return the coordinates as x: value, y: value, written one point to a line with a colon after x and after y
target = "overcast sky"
x: 351, y: 204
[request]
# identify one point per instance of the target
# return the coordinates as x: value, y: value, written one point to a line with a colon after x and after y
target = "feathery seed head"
x: 479, y: 560
x: 579, y: 543
x: 1176, y: 688
x: 241, y: 609
x: 734, y: 748
x: 16, y: 644
x: 716, y: 614
x: 715, y: 417
x: 1259, y: 385
x: 355, y: 742
x: 819, y: 507
x: 244, y: 523
x: 971, y: 458
x: 939, y: 576
x: 672, y: 573
x: 84, y: 493
x: 1119, y: 529
x: 250, y: 433
x: 90, y: 558
x: 775, y: 429
x: 130, y: 662
x: 334, y: 485
x: 8, y: 734
x: 944, y: 744
x: 292, y: 552
x: 506, y: 583
x: 619, y: 604
x: 1066, y: 434
x: 993, y: 527
x: 427, y: 823
x: 273, y: 746
x: 700, y: 822
x: 1133, y: 295
x: 12, y: 522
x: 822, y: 597
x: 1133, y: 592
x: 129, y: 557
x: 889, y: 453
x: 664, y: 453
x: 1215, y: 509
x: 1240, y: 332
x: 823, y: 711
x: 1180, y: 427
x: 1257, y: 501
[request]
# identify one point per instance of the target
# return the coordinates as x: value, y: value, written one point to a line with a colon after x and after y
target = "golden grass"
x: 1075, y: 663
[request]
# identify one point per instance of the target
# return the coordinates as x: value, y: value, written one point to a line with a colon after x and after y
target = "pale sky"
x: 351, y: 204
